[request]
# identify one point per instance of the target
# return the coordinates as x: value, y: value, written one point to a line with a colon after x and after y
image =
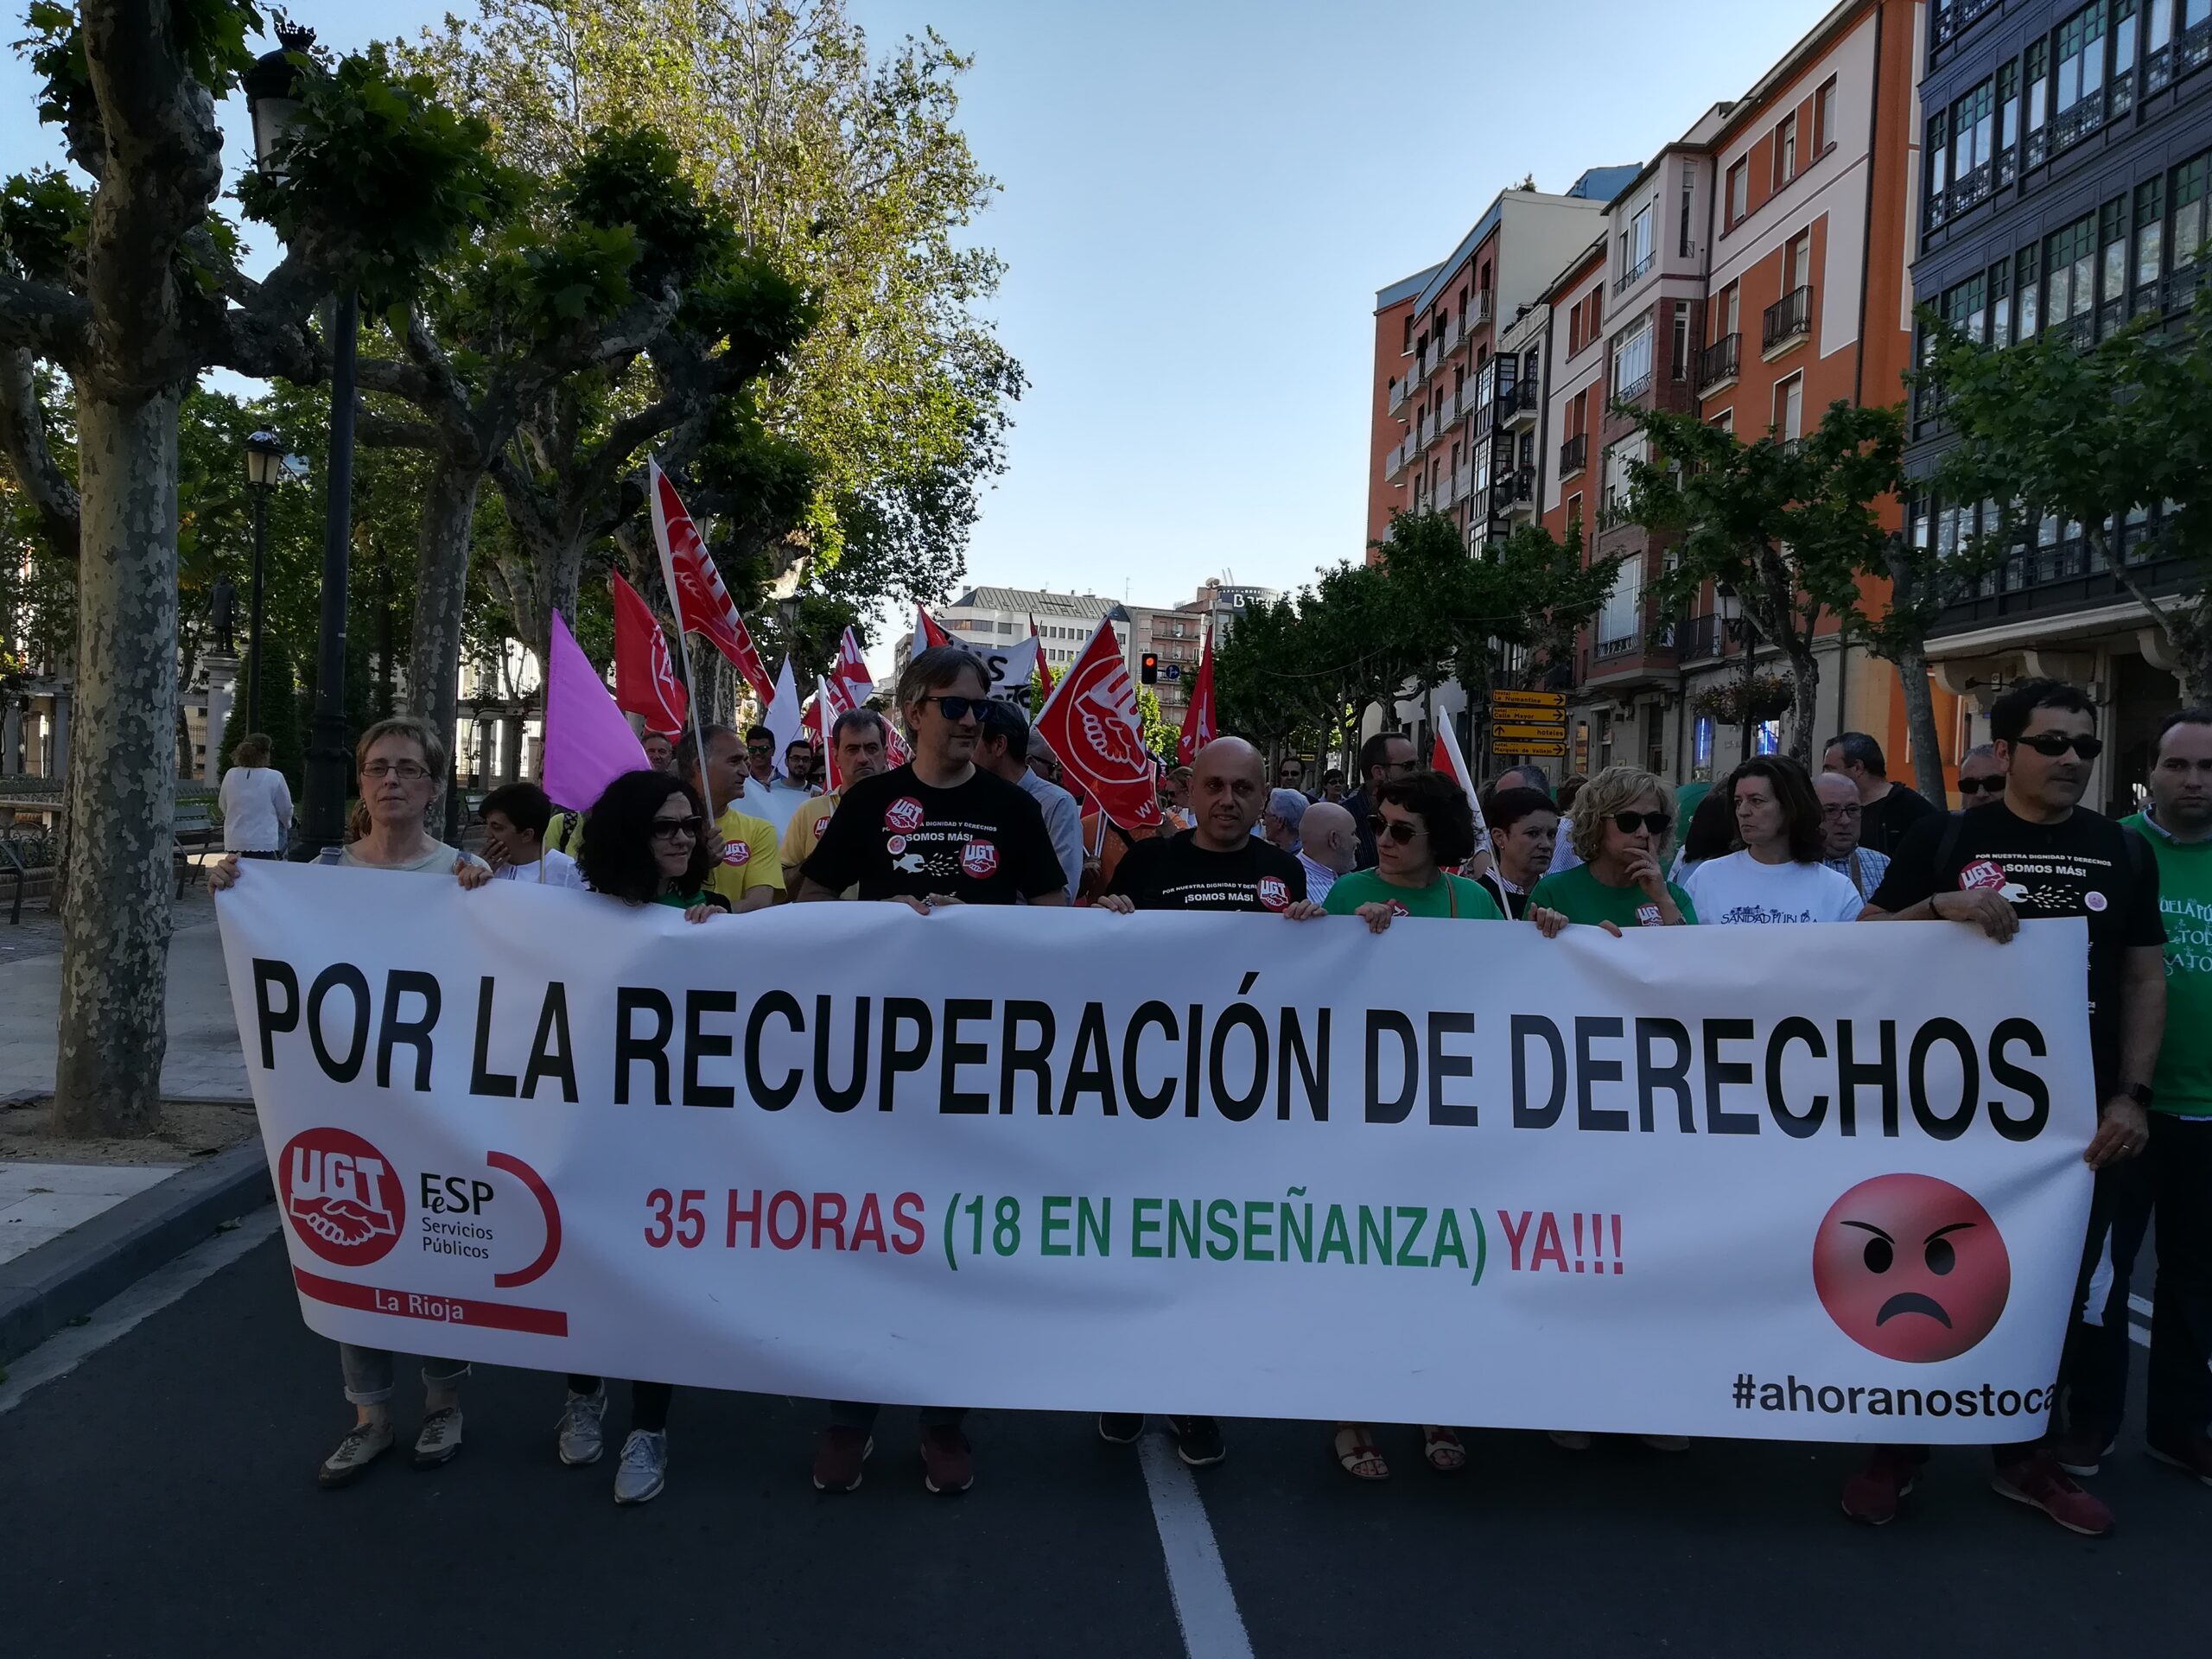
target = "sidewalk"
x: 204, y: 1061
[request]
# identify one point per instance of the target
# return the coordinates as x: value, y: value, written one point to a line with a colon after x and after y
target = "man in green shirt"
x: 2174, y: 1176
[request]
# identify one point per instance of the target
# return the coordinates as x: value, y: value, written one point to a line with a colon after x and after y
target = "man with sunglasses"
x: 1981, y: 779
x: 1385, y: 756
x: 2039, y: 853
x: 937, y: 831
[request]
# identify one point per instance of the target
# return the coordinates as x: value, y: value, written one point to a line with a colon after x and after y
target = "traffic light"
x: 1148, y: 668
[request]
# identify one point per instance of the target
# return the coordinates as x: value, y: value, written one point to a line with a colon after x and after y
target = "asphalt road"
x: 158, y: 1500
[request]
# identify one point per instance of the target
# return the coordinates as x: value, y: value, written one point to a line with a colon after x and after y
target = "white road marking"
x: 65, y: 1350
x: 1205, y: 1604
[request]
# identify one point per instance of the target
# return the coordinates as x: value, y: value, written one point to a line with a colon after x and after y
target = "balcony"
x: 1394, y: 464
x: 1718, y: 363
x: 1398, y: 391
x: 1635, y: 274
x: 1953, y: 20
x: 1523, y: 403
x: 1515, y: 492
x: 1789, y: 321
x: 2070, y: 126
x: 1416, y: 371
x: 1484, y: 304
x: 1449, y: 489
x: 1574, y: 454
x: 2192, y: 50
x: 1463, y: 480
x: 1698, y: 638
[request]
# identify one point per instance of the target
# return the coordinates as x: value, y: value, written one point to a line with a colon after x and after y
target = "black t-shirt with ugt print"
x: 895, y: 837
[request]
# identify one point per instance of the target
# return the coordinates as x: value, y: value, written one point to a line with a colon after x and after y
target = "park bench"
x: 195, y: 830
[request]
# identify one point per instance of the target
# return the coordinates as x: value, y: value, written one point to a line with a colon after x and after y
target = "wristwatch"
x: 2140, y: 1093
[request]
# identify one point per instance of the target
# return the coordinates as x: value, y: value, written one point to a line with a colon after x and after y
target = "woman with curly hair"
x: 645, y: 844
x: 1622, y: 820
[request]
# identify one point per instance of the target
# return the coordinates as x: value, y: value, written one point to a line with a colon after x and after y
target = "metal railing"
x: 1953, y: 20
x: 1574, y: 454
x: 1525, y: 399
x: 1398, y: 390
x: 1720, y: 361
x: 1698, y: 636
x: 1787, y: 318
x: 1635, y: 274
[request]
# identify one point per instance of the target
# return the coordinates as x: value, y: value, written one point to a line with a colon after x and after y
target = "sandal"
x: 1443, y: 1449
x: 1358, y: 1456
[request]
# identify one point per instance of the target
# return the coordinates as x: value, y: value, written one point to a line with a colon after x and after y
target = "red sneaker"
x: 2192, y: 1456
x: 838, y: 1456
x: 948, y: 1461
x: 2040, y: 1483
x: 1873, y: 1495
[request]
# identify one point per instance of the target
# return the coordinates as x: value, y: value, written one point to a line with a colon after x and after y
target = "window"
x: 1973, y: 130
x: 1689, y: 189
x: 1632, y: 361
x: 2038, y: 71
x: 2123, y: 52
x: 1409, y: 349
x: 1789, y: 407
x: 1616, y: 622
x: 1939, y: 158
x: 2000, y: 304
x: 2081, y: 57
x: 1824, y: 116
x: 2188, y: 233
x: 1797, y: 266
x: 1678, y: 360
x: 2008, y: 119
x: 2027, y: 271
x: 1731, y: 309
x: 2111, y: 263
x: 1785, y: 149
x: 1636, y: 244
x: 2070, y: 272
x: 1739, y: 186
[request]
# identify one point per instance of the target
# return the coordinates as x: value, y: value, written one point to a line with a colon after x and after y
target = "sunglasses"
x: 960, y: 708
x: 1976, y: 785
x: 1049, y: 769
x: 1400, y: 831
x: 1628, y: 823
x: 2051, y: 744
x: 669, y: 828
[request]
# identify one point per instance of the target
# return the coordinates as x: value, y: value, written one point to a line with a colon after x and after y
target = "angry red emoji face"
x: 1911, y: 1267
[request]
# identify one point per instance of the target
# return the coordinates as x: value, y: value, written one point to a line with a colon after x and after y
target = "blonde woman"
x: 1622, y: 821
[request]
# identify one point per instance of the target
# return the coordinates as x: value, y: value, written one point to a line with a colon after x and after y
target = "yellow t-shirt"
x: 749, y: 859
x: 804, y: 830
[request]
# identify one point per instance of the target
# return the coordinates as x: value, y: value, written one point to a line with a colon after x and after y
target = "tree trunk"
x: 1920, y: 726
x: 122, y: 783
x: 442, y: 599
x: 1804, y: 701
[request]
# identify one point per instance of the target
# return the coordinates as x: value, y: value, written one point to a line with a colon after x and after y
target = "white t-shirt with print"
x: 1738, y: 889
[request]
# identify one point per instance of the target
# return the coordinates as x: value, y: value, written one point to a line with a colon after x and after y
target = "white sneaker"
x: 582, y: 1439
x: 363, y: 1444
x: 439, y: 1438
x: 644, y: 1469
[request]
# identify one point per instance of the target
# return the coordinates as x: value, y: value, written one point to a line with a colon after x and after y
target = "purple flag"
x: 588, y: 744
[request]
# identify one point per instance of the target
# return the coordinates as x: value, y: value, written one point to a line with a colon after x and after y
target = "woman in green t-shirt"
x: 1622, y: 821
x: 1422, y: 825
x: 644, y: 843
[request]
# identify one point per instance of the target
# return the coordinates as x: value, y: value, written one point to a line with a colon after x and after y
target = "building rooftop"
x: 1035, y: 601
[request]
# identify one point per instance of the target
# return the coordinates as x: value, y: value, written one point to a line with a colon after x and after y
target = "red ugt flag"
x: 1090, y: 721
x: 645, y: 672
x: 932, y: 636
x: 1199, y: 726
x: 695, y: 586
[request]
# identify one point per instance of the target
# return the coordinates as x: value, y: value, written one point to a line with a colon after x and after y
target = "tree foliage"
x: 1789, y: 525
x: 2092, y: 435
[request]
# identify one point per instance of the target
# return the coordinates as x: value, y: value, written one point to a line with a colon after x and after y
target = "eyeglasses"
x: 960, y: 708
x: 406, y: 771
x: 1628, y: 823
x: 2051, y: 744
x: 1848, y: 811
x: 1976, y: 785
x: 1401, y: 831
x: 1394, y: 768
x: 672, y: 829
x: 1048, y: 768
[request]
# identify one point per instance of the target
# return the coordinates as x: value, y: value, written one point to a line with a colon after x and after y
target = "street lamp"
x: 264, y: 466
x: 272, y: 91
x: 1730, y: 608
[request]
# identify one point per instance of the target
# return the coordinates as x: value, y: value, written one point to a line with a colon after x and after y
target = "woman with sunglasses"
x: 645, y: 844
x: 1622, y: 821
x: 1422, y: 825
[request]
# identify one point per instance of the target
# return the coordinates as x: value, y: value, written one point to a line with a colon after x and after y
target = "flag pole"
x: 683, y: 650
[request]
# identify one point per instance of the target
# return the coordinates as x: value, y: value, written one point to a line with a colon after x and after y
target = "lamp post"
x: 264, y: 465
x: 272, y: 91
x: 1730, y: 609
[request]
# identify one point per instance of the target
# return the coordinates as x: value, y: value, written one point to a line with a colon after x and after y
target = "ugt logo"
x: 342, y: 1196
x: 978, y: 859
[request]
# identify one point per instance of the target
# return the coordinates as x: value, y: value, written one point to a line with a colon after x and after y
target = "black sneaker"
x: 1198, y: 1441
x: 1120, y: 1427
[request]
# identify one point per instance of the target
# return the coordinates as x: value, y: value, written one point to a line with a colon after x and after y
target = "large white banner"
x: 1808, y: 1183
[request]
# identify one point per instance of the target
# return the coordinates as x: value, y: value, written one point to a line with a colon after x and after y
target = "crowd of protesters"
x: 722, y: 825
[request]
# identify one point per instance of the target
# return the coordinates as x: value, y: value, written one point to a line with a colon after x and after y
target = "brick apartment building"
x: 2067, y: 150
x: 1753, y: 270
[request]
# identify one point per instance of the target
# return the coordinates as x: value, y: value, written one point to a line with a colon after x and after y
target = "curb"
x: 66, y: 1278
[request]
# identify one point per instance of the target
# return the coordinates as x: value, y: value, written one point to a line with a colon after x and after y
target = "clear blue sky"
x: 1201, y: 197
